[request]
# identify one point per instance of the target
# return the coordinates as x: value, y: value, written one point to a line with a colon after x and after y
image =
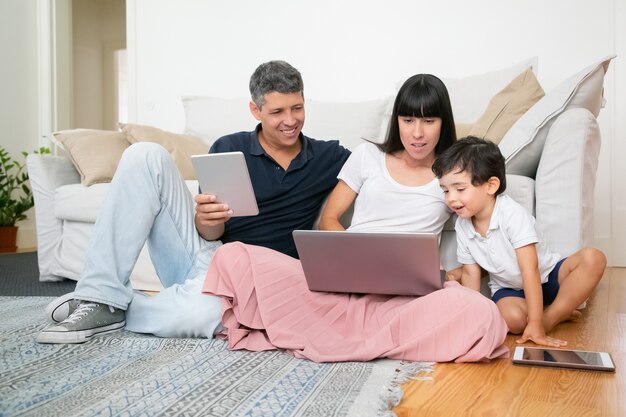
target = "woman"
x: 267, y: 304
x: 396, y: 187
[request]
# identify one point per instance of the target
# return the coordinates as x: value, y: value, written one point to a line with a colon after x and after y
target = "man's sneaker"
x: 61, y: 307
x: 89, y: 319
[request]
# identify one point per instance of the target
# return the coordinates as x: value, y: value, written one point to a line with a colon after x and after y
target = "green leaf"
x: 16, y: 197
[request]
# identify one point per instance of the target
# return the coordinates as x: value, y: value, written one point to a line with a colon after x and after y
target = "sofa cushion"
x: 180, y: 146
x: 566, y: 179
x: 79, y: 203
x: 506, y: 107
x: 209, y: 118
x: 522, y: 190
x: 94, y: 153
x: 76, y: 202
x: 350, y: 122
x: 470, y: 95
x: 523, y: 143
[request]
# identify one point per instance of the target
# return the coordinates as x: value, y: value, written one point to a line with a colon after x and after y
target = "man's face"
x: 282, y: 118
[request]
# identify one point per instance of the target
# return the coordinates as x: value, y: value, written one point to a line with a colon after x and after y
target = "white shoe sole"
x: 50, y: 336
x: 58, y: 309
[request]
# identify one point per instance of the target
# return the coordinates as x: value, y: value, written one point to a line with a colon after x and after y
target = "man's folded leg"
x: 147, y: 201
x: 180, y: 310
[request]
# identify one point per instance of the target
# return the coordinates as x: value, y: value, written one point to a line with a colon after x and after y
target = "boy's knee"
x: 516, y: 325
x: 594, y: 259
x: 515, y: 319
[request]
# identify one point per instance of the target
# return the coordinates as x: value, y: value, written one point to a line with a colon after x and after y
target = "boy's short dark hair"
x: 480, y: 158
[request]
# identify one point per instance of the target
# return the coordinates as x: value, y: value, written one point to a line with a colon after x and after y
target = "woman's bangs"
x: 421, y: 102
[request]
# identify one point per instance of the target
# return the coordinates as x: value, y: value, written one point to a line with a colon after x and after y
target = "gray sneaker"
x: 89, y: 319
x: 61, y: 307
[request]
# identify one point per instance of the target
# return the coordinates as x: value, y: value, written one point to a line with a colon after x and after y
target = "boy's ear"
x: 493, y: 184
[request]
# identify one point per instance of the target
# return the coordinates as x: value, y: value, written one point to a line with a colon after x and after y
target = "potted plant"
x: 15, y: 197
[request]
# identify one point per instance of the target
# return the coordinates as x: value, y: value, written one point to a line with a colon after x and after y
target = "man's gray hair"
x: 274, y: 76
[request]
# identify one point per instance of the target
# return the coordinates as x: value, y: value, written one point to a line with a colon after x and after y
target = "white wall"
x: 19, y: 87
x: 353, y: 50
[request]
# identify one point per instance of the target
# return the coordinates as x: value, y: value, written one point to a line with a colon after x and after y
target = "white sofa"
x: 551, y: 148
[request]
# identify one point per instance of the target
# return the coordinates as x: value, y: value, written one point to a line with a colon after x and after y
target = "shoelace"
x: 82, y: 310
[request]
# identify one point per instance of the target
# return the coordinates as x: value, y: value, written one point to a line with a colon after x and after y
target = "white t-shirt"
x: 510, y: 228
x: 385, y: 205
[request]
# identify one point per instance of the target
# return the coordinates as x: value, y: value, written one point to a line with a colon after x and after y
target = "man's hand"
x: 535, y: 332
x: 211, y: 216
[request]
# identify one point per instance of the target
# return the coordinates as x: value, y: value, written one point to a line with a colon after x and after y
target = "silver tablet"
x: 563, y: 358
x: 225, y: 175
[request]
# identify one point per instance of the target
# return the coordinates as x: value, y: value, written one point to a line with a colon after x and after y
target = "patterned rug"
x: 127, y: 374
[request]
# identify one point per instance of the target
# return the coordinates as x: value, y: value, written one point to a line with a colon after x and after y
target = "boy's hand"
x: 536, y: 333
x: 454, y: 274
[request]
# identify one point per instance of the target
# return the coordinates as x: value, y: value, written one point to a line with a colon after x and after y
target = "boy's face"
x: 466, y: 199
x: 282, y: 118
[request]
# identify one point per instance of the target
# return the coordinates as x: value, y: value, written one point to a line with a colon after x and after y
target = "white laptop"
x: 372, y: 263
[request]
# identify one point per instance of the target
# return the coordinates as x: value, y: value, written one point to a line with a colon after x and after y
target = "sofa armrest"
x: 46, y: 173
x: 565, y: 181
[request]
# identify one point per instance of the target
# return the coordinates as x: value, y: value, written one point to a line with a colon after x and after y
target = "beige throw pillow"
x: 462, y: 129
x: 180, y: 146
x: 94, y: 153
x: 507, y: 106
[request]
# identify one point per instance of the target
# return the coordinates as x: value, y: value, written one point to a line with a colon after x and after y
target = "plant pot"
x: 8, y: 238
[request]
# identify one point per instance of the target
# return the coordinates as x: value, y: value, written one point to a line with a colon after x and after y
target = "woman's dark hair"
x: 480, y: 158
x: 422, y: 95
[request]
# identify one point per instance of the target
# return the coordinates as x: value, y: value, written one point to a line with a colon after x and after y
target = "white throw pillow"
x: 350, y: 123
x: 209, y: 118
x: 523, y: 143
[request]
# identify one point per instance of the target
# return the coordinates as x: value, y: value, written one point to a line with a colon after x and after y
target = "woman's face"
x: 419, y: 136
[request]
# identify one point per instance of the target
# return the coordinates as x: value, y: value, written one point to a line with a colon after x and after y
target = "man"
x: 148, y: 201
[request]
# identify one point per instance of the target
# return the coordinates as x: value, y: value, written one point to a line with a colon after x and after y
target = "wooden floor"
x: 501, y: 389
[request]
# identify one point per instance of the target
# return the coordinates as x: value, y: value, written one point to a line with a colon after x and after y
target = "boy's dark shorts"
x: 550, y: 288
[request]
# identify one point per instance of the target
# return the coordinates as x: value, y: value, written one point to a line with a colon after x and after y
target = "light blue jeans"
x: 148, y: 201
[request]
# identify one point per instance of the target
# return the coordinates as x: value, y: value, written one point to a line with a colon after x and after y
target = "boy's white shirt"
x: 511, y: 227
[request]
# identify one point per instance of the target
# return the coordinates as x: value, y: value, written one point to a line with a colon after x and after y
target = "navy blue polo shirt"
x: 287, y: 200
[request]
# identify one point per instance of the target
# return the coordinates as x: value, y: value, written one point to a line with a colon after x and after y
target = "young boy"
x: 499, y: 235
